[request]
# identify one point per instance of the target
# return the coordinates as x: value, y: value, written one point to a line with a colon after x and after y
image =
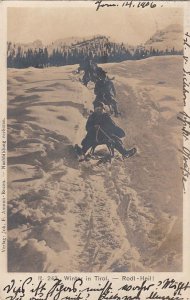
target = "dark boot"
x: 118, y: 145
x: 120, y: 148
x: 124, y: 152
x: 130, y: 152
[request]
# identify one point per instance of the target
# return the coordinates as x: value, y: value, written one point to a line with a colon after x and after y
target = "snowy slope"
x: 69, y: 217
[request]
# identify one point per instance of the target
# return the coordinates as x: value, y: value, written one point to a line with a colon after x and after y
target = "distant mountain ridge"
x: 66, y: 42
x: 100, y: 48
x: 168, y: 38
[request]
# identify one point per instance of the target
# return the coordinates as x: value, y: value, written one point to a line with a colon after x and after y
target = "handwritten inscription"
x: 183, y: 116
x: 80, y: 290
x: 17, y: 291
x: 128, y: 4
x: 186, y: 70
x: 185, y: 119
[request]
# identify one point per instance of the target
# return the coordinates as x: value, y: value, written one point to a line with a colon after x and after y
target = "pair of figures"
x: 104, y: 88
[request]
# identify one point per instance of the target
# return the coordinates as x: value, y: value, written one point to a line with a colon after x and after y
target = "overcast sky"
x: 123, y: 25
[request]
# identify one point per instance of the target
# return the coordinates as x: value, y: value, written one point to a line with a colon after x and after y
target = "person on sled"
x: 101, y: 129
x: 105, y: 91
x: 89, y: 68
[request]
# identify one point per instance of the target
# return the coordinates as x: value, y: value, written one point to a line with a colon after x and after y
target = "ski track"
x: 71, y: 217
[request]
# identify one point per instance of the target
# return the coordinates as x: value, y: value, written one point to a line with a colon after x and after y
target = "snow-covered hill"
x: 168, y: 38
x: 65, y: 216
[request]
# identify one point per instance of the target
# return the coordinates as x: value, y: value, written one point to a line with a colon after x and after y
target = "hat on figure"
x: 101, y: 72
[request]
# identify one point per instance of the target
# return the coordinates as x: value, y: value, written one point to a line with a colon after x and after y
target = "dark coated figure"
x: 89, y: 67
x: 101, y: 129
x: 105, y: 91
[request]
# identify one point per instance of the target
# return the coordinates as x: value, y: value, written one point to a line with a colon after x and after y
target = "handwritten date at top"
x: 129, y: 4
x: 140, y: 4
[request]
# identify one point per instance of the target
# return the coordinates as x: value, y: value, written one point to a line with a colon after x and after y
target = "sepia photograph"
x: 93, y: 137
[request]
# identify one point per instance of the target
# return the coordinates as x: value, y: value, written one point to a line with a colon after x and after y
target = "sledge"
x: 101, y: 159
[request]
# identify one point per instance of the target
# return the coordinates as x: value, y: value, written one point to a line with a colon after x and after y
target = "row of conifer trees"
x: 17, y: 57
